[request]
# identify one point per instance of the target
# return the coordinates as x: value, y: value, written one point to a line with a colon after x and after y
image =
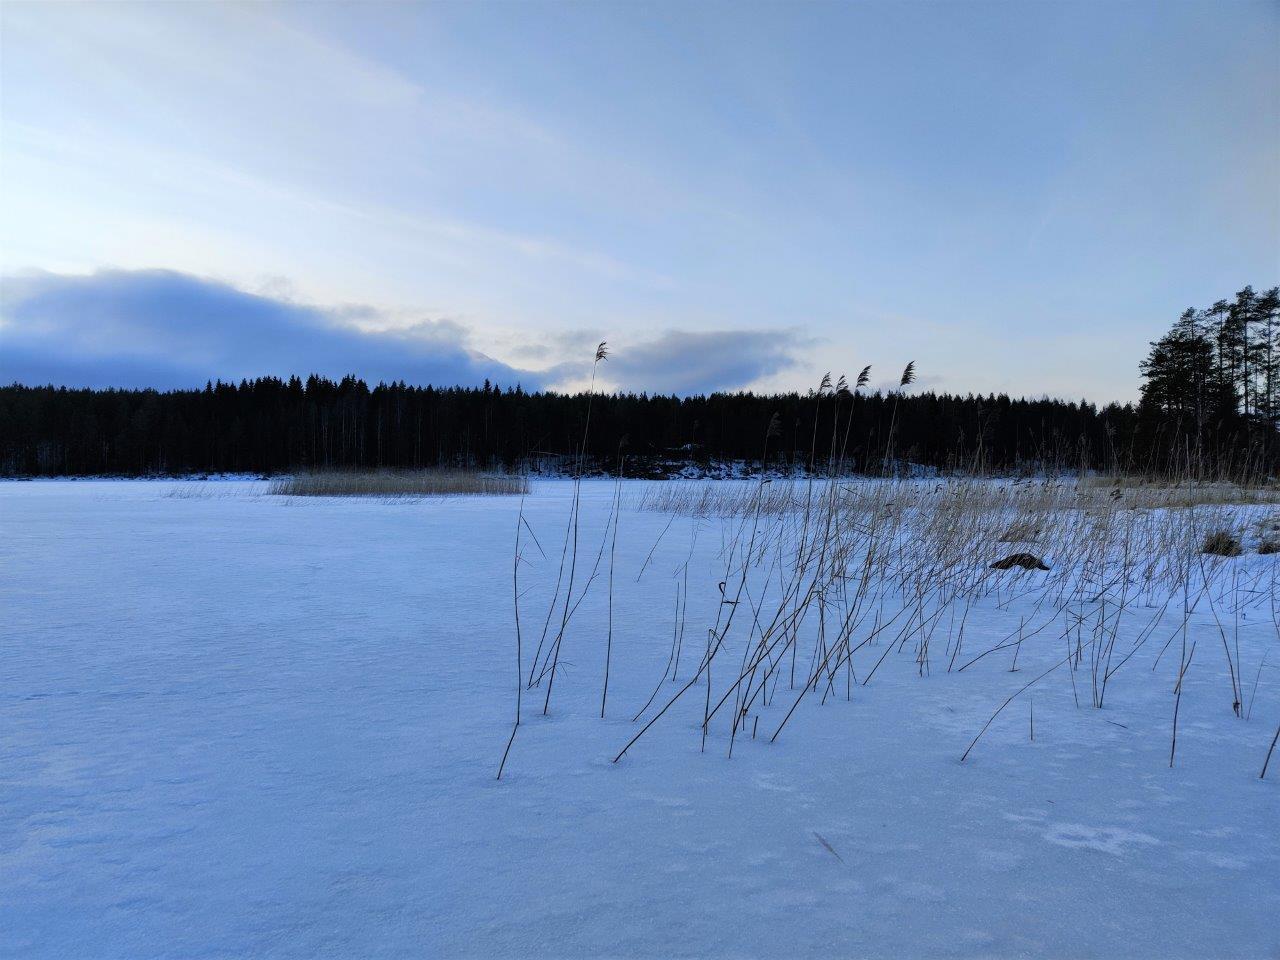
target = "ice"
x: 238, y: 725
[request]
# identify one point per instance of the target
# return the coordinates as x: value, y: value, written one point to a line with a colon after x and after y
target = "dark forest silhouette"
x: 1210, y: 401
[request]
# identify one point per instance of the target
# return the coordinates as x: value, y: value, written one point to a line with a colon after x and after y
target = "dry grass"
x: 720, y: 498
x: 1029, y: 500
x: 1221, y: 543
x: 821, y: 580
x: 838, y: 575
x: 202, y: 491
x: 399, y: 484
x: 1148, y: 494
x: 1021, y: 532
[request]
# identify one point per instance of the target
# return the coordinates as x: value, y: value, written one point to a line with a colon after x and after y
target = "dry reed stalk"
x: 398, y: 484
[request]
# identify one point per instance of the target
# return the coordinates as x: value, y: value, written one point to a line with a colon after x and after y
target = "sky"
x: 1016, y: 196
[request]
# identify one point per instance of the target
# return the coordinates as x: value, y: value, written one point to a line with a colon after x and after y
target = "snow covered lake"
x: 238, y: 725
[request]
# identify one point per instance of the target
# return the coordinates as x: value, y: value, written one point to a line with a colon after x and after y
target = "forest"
x: 1209, y: 404
x: 1211, y: 385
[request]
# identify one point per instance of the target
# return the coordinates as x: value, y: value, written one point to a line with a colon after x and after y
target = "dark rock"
x: 1027, y: 561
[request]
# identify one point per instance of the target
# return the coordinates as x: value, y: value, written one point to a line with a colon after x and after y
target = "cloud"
x: 163, y: 329
x: 683, y: 363
x: 167, y: 330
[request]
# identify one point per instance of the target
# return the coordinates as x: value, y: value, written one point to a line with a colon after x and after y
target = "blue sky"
x: 1016, y: 196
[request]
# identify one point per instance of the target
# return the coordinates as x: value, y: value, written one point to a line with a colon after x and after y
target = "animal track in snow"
x: 1113, y: 840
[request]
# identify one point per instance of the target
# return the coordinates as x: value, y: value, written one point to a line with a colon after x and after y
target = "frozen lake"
x: 238, y: 725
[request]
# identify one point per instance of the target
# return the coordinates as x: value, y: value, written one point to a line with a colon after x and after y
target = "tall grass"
x: 544, y: 666
x: 821, y: 581
x: 399, y: 484
x: 905, y: 561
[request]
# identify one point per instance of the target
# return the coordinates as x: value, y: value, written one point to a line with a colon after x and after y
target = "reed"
x: 398, y: 484
x: 823, y: 581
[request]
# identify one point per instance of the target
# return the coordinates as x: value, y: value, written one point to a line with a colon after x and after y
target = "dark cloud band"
x: 162, y: 329
x: 168, y: 330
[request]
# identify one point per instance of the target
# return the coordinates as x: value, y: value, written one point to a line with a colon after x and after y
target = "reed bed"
x: 824, y: 580
x: 821, y: 580
x: 399, y: 484
x: 718, y: 498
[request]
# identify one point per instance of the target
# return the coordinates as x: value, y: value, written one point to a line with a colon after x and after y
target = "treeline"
x: 1210, y: 404
x: 273, y: 426
x: 1211, y: 386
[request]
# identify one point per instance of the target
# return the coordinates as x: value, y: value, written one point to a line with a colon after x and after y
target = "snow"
x: 239, y: 725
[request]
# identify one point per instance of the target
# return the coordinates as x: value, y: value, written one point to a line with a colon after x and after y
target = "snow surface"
x: 235, y: 725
